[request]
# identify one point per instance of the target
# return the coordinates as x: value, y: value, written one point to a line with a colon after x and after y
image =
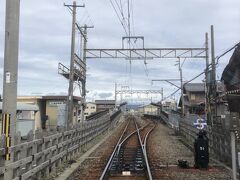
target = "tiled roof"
x: 194, y: 87
x: 105, y: 101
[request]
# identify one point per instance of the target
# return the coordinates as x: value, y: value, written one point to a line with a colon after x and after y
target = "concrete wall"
x: 219, y: 136
x: 52, y: 112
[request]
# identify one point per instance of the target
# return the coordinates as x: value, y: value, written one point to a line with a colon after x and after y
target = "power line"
x: 125, y: 30
x: 227, y: 51
x: 129, y: 25
x: 121, y: 6
x: 210, y: 65
x: 171, y: 94
x: 133, y: 28
x: 120, y: 9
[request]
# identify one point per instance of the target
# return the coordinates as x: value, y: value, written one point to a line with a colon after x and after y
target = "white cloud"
x: 45, y: 29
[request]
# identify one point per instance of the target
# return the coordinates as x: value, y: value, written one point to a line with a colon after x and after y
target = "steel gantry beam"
x: 139, y: 92
x: 147, y: 53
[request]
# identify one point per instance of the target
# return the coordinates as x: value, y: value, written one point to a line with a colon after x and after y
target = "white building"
x: 148, y: 109
x: 90, y: 109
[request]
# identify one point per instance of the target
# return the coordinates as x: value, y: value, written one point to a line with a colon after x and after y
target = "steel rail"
x: 112, y: 155
x: 141, y: 128
x: 143, y: 145
x: 119, y: 145
x: 117, y: 149
x: 145, y: 152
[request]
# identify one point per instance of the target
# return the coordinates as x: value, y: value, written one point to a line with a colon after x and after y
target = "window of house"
x: 193, y: 97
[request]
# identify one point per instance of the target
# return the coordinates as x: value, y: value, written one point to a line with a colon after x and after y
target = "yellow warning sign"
x: 6, y: 130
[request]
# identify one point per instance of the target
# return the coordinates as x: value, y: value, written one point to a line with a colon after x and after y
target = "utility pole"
x: 233, y: 151
x: 162, y: 94
x: 83, y: 95
x: 11, y: 69
x: 71, y: 73
x: 213, y: 77
x: 115, y: 95
x: 84, y: 36
x: 181, y: 80
x: 213, y: 55
x: 207, y: 78
x: 11, y: 49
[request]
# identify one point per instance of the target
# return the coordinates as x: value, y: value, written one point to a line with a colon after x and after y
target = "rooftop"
x: 194, y: 87
x: 24, y: 107
x: 57, y: 97
x: 105, y: 102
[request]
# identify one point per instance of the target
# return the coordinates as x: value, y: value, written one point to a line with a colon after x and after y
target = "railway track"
x: 124, y: 156
x: 129, y: 158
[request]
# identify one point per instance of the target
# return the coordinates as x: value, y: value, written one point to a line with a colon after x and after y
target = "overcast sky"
x: 45, y: 29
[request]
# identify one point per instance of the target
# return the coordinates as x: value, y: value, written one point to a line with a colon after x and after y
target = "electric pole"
x: 162, y: 94
x: 207, y: 78
x: 71, y: 73
x: 213, y: 56
x: 11, y: 49
x: 11, y: 69
x: 181, y: 80
x: 115, y: 95
x: 213, y: 77
x: 84, y: 36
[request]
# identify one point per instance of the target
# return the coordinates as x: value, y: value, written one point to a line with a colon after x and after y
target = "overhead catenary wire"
x: 129, y: 25
x: 125, y: 14
x: 125, y: 30
x: 209, y: 66
x: 227, y: 51
x: 171, y: 94
x: 132, y: 10
x: 86, y: 18
x: 121, y: 5
x: 120, y: 9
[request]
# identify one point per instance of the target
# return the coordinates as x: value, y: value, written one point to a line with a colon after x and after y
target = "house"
x: 27, y: 116
x: 90, y: 109
x: 102, y: 105
x: 194, y: 98
x: 158, y: 106
x: 231, y: 79
x: 52, y: 110
x: 169, y: 105
x: 149, y: 109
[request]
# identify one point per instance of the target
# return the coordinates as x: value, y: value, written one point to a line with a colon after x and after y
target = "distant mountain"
x: 133, y: 106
